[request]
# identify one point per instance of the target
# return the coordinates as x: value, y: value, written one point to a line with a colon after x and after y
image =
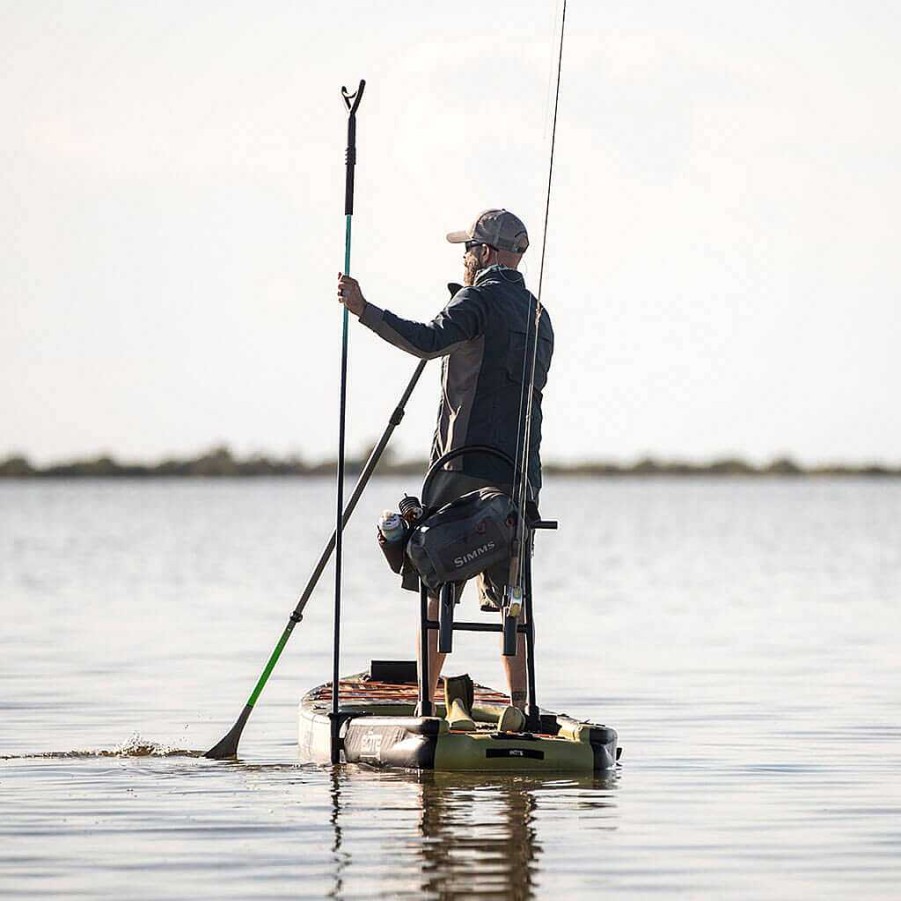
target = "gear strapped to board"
x: 463, y: 538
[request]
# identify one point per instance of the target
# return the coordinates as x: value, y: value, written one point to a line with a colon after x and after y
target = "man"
x: 485, y: 336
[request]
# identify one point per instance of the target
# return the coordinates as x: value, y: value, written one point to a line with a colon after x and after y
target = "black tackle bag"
x: 463, y: 538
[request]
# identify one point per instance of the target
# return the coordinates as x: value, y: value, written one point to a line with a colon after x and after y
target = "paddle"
x: 228, y: 747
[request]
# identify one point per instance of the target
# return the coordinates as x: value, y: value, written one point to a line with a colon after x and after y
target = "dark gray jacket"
x: 483, y: 334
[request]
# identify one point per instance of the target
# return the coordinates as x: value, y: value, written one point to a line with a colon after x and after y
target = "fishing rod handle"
x: 352, y: 102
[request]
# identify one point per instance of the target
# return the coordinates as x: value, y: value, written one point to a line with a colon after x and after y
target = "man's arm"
x: 461, y: 320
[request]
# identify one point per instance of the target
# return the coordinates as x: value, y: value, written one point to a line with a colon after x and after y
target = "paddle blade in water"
x: 228, y: 747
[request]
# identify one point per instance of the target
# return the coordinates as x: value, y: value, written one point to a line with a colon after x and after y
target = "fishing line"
x: 550, y: 173
x: 524, y: 428
x: 524, y: 379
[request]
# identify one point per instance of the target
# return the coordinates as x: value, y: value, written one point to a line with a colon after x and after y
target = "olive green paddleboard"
x: 378, y: 727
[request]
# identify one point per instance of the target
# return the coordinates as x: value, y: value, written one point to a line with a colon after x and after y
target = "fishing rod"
x: 519, y: 556
x: 527, y: 427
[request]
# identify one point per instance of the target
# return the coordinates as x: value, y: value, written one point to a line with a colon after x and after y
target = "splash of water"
x: 134, y: 746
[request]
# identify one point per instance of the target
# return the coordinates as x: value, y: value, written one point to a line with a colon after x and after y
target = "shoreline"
x: 220, y: 463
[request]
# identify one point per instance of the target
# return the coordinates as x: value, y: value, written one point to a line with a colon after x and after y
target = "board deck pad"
x: 361, y: 690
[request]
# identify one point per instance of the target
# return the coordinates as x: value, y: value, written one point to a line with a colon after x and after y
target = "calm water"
x: 744, y: 637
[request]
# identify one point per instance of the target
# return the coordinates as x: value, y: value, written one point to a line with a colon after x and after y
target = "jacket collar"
x: 498, y: 272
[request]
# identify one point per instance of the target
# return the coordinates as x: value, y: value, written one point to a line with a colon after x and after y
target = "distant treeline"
x: 220, y: 462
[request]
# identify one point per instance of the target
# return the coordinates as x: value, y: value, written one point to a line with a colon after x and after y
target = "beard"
x: 471, y: 268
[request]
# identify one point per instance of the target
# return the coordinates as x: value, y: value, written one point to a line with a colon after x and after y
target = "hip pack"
x: 463, y: 538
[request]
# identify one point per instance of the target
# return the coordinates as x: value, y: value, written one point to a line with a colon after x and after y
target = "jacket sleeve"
x: 461, y: 320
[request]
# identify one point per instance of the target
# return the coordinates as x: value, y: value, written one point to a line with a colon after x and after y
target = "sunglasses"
x: 472, y: 245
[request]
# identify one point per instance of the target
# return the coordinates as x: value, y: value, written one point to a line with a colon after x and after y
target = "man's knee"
x: 435, y: 595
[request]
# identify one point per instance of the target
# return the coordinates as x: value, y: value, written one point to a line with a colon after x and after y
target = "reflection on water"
x: 477, y: 835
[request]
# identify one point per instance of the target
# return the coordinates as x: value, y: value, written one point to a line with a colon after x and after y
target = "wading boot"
x: 512, y: 719
x: 458, y: 697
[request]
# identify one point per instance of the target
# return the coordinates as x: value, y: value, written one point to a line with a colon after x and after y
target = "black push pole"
x: 352, y: 101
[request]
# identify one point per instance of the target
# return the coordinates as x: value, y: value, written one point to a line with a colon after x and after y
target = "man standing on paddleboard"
x: 481, y: 334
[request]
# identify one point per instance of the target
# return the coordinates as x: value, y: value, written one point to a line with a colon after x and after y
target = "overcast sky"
x: 722, y: 269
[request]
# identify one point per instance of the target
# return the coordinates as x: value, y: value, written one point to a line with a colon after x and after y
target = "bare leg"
x: 515, y: 669
x: 436, y: 660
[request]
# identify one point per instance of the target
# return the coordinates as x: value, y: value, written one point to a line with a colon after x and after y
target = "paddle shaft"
x: 228, y: 747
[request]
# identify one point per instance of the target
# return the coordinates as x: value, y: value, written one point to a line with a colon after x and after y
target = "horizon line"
x: 220, y: 461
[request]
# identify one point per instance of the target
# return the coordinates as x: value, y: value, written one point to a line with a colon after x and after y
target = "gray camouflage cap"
x: 499, y: 228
